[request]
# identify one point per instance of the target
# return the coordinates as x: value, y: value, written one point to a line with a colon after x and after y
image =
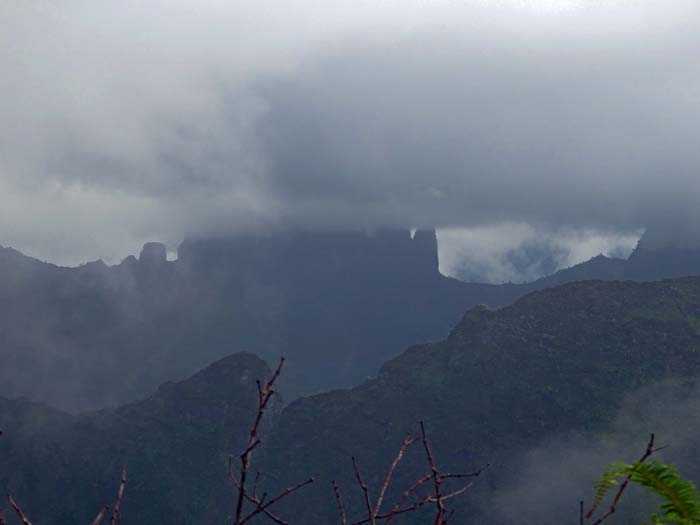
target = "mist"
x: 123, y: 123
x: 546, y: 484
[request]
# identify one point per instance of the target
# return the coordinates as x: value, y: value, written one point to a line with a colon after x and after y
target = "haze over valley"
x: 340, y: 262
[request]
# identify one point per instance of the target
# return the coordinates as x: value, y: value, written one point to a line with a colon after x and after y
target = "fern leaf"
x: 609, y: 479
x: 681, y: 499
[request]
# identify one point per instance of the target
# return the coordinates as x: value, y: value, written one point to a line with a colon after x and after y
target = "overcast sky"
x: 128, y: 121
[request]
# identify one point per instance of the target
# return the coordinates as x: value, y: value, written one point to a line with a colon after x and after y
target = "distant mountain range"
x: 336, y: 304
x: 556, y: 362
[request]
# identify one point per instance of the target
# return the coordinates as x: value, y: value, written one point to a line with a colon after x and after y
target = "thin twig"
x: 410, y: 490
x: 286, y: 492
x: 261, y: 504
x: 435, y: 475
x: 457, y: 492
x: 365, y: 492
x: 613, y: 506
x: 415, y: 506
x: 398, y: 509
x: 258, y: 502
x: 255, y: 484
x: 407, y: 442
x: 473, y: 474
x: 341, y: 506
x: 264, y: 395
x: 22, y: 516
x: 100, y: 517
x: 116, y: 513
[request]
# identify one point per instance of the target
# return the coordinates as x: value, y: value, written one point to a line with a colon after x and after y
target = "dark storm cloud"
x: 122, y: 122
x: 501, y: 124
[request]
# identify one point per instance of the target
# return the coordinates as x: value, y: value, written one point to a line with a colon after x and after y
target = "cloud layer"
x: 129, y: 121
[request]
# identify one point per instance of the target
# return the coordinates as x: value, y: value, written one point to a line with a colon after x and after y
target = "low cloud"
x: 547, y: 483
x: 130, y: 121
x: 520, y: 252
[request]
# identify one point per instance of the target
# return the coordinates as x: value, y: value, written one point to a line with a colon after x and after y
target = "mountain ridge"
x: 555, y: 362
x: 132, y: 326
x: 63, y: 468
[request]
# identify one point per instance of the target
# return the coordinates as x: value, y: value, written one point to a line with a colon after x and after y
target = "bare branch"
x: 397, y: 511
x: 407, y: 442
x: 410, y: 490
x: 116, y: 513
x: 457, y: 492
x: 22, y: 516
x: 255, y: 484
x: 261, y: 506
x: 100, y: 517
x: 613, y: 506
x: 286, y: 492
x: 473, y: 474
x: 258, y: 502
x: 435, y: 475
x: 264, y: 395
x: 341, y: 506
x: 365, y: 492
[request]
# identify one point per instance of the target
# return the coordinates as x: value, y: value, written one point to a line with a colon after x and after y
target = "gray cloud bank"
x: 121, y: 122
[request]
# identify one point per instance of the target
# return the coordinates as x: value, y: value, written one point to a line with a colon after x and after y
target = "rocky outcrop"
x: 153, y: 254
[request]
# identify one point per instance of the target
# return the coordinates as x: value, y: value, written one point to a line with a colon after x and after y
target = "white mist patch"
x: 547, y: 483
x: 520, y: 252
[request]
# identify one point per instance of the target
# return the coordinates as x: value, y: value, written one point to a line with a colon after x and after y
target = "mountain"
x: 505, y: 381
x: 661, y: 253
x: 555, y: 363
x: 336, y: 304
x: 64, y: 468
x: 671, y: 254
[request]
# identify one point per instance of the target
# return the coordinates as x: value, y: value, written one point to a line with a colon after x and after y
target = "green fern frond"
x: 681, y: 499
x: 609, y: 479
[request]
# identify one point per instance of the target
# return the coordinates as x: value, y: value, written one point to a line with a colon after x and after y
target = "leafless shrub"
x: 251, y: 504
x: 412, y: 498
x: 261, y: 504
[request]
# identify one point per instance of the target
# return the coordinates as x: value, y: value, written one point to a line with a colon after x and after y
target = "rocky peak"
x: 153, y: 253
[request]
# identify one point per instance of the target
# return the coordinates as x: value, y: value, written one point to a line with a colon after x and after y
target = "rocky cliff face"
x: 153, y: 254
x: 352, y: 255
x: 337, y: 304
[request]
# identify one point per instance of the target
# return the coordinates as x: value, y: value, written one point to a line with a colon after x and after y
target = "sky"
x: 570, y: 125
